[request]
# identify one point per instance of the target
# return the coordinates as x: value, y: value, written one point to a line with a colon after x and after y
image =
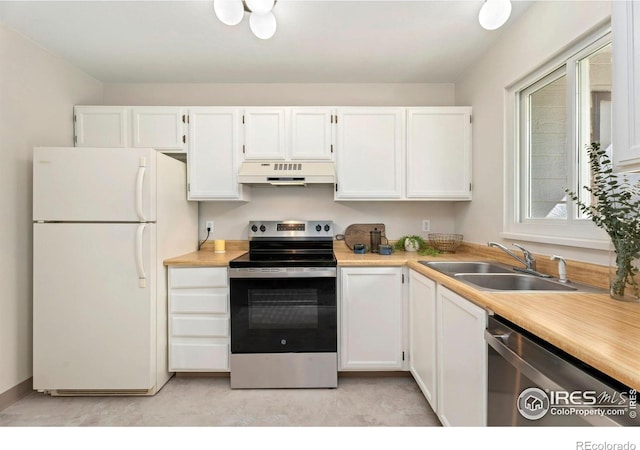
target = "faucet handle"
x: 526, y: 252
x: 528, y: 256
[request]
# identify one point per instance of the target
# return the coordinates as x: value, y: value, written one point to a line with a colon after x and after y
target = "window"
x: 557, y: 112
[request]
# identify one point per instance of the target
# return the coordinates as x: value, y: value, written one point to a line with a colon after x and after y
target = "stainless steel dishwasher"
x: 532, y: 383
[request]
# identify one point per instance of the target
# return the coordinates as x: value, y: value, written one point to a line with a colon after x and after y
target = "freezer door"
x: 94, y: 317
x: 76, y: 184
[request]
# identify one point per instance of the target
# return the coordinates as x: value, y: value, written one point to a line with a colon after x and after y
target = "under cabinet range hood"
x: 286, y: 173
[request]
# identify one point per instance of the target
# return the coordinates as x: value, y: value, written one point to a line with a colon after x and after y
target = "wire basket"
x: 445, y: 242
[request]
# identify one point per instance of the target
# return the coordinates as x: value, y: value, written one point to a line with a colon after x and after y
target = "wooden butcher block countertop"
x: 594, y: 328
x: 206, y: 257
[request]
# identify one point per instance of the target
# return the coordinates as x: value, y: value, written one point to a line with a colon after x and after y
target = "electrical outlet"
x: 208, y: 226
x: 426, y: 225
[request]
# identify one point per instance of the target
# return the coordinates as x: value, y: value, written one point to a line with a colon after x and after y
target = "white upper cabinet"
x: 101, y: 126
x: 369, y: 153
x: 625, y: 19
x: 287, y: 133
x: 264, y: 134
x: 439, y: 153
x: 311, y: 133
x: 213, y: 154
x: 159, y: 127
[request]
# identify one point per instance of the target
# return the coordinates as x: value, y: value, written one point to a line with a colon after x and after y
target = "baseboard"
x: 14, y: 394
x: 374, y: 374
x: 202, y: 374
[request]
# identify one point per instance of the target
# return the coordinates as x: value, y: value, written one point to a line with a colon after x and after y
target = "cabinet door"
x: 439, y: 153
x: 311, y: 134
x: 422, y: 334
x: 462, y: 361
x: 213, y: 150
x: 625, y: 22
x: 264, y: 133
x: 371, y: 319
x: 160, y: 127
x: 101, y: 126
x: 369, y: 153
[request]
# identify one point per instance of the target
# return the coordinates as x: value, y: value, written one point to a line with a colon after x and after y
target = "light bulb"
x: 263, y: 25
x: 260, y: 7
x: 494, y: 13
x: 230, y: 12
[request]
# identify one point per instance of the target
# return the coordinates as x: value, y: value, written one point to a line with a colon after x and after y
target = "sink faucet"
x: 529, y: 260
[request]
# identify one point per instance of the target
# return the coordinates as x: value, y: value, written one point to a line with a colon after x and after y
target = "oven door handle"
x: 283, y: 272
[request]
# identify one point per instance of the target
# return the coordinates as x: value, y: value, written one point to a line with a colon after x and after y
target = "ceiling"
x: 329, y: 41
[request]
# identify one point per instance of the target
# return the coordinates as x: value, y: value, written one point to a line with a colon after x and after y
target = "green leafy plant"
x: 423, y: 248
x: 616, y: 209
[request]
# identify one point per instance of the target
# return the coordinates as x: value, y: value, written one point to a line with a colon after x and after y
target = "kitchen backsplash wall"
x: 316, y: 202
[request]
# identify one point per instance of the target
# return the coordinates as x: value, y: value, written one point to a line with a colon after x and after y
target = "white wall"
x: 37, y: 94
x: 296, y: 202
x: 543, y: 30
x: 286, y: 94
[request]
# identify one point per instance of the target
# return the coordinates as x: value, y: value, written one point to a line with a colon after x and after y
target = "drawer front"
x: 198, y: 277
x: 185, y: 302
x: 200, y: 326
x: 199, y: 357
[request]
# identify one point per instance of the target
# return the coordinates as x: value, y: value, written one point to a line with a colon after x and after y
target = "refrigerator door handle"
x: 142, y: 277
x: 139, y: 188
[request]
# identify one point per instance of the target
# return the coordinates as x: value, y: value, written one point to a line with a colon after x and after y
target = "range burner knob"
x: 254, y: 228
x: 318, y: 227
x: 327, y: 227
x: 263, y: 228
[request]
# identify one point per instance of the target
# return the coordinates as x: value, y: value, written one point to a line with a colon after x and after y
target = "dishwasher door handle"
x: 498, y: 343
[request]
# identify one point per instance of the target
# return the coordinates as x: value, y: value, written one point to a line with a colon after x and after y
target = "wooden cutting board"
x: 358, y: 233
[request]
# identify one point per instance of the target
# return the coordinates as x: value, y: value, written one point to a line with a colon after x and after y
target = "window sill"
x: 596, y: 244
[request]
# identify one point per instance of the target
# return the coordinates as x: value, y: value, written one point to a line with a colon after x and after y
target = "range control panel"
x: 290, y: 228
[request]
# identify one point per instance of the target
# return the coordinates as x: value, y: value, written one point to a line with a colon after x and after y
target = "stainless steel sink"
x: 496, y: 277
x: 453, y: 267
x: 513, y: 282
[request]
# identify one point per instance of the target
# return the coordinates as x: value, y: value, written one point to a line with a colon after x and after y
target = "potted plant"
x: 616, y: 209
x: 414, y: 243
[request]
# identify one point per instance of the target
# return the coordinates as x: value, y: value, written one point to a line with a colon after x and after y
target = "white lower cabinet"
x: 462, y: 361
x: 372, y: 318
x: 198, y: 319
x: 422, y: 335
x: 447, y: 352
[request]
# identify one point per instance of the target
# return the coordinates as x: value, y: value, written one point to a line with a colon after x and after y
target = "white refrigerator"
x: 104, y: 221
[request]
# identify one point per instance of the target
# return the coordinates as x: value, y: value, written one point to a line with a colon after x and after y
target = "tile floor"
x: 208, y: 402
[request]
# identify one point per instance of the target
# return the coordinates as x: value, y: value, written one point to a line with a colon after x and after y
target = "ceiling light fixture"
x: 262, y: 22
x: 494, y: 13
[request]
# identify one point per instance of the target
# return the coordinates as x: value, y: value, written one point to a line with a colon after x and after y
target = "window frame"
x: 573, y: 231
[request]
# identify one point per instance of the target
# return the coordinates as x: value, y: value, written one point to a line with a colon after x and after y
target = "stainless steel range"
x: 283, y: 307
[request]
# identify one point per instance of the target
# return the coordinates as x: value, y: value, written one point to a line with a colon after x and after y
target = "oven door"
x: 283, y: 310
